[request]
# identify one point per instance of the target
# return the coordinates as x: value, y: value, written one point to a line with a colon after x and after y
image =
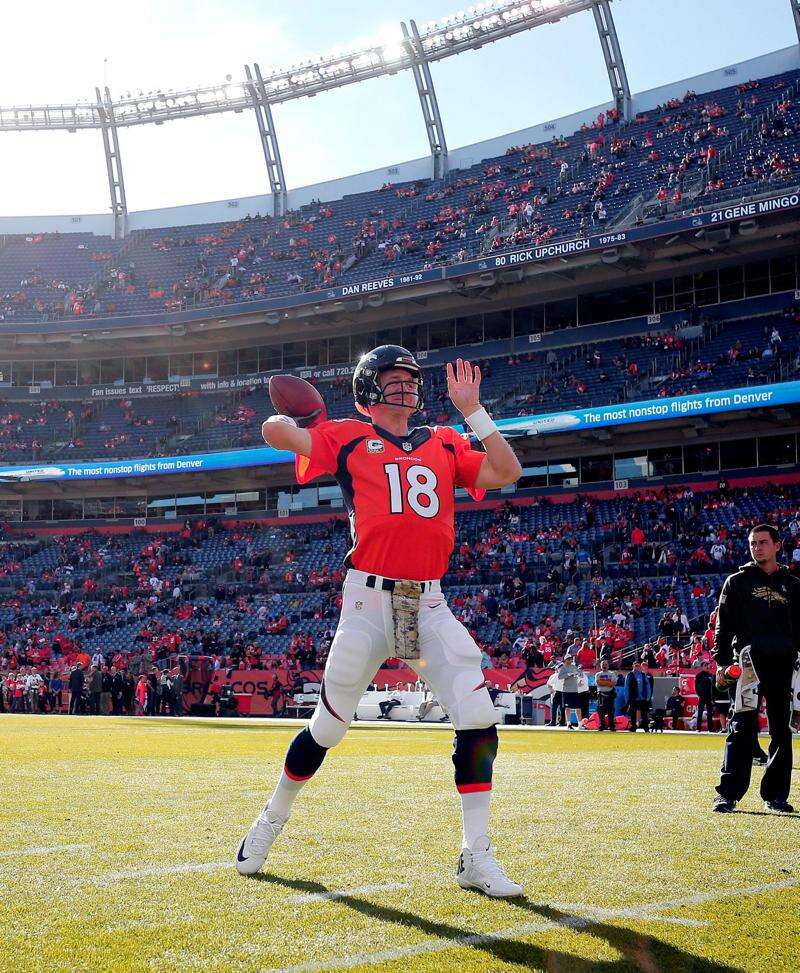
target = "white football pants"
x: 449, y: 662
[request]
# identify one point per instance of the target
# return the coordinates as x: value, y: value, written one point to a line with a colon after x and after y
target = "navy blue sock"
x: 473, y: 756
x: 304, y: 757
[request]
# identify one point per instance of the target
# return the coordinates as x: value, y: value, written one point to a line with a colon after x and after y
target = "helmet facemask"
x: 367, y: 389
x: 395, y: 394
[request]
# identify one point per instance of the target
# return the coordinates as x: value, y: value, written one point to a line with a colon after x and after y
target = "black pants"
x: 742, y: 741
x: 636, y: 707
x: 707, y: 706
x: 558, y: 716
x: 386, y: 706
x: 605, y: 709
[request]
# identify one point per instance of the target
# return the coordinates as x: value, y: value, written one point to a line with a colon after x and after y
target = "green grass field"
x: 118, y: 838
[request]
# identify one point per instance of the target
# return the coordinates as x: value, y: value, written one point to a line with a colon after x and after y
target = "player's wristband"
x: 481, y: 423
x: 287, y: 419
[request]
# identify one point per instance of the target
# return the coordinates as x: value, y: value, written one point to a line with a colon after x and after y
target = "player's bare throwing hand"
x: 398, y: 485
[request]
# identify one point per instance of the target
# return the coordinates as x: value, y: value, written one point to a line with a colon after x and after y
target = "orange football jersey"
x: 398, y: 492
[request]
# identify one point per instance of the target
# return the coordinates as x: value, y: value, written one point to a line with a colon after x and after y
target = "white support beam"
x: 612, y: 54
x: 116, y: 182
x: 269, y: 139
x: 421, y: 72
x: 796, y: 14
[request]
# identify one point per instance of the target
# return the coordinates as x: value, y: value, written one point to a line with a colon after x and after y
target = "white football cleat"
x: 257, y: 842
x: 479, y: 869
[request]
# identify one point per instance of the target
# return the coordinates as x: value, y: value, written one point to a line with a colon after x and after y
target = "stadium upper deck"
x: 680, y: 153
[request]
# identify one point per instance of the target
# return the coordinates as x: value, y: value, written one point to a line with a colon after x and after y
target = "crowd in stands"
x: 723, y: 354
x: 756, y: 352
x: 532, y: 194
x: 636, y: 577
x: 772, y: 156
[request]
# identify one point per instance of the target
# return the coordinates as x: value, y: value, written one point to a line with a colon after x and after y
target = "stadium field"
x: 118, y: 838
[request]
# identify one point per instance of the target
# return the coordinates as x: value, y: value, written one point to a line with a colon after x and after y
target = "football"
x: 292, y: 396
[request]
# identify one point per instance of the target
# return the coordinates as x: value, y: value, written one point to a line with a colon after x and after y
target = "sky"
x: 63, y: 50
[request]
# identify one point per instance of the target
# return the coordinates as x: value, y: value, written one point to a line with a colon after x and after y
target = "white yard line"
x: 427, y: 947
x: 596, y: 912
x: 40, y: 850
x: 700, y: 898
x: 593, y: 912
x: 649, y: 911
x: 308, y: 897
x: 109, y: 877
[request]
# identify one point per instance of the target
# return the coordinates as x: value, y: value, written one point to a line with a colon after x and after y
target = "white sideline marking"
x: 155, y: 870
x: 701, y: 897
x: 306, y: 898
x: 599, y: 913
x: 430, y: 946
x: 41, y: 850
x: 650, y: 911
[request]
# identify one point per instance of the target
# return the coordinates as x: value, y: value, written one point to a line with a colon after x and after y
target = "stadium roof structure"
x: 414, y: 51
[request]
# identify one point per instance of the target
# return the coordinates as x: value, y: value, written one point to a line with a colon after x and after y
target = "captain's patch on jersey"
x: 375, y: 446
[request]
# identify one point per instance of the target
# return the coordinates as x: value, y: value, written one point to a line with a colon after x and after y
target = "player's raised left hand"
x: 463, y: 386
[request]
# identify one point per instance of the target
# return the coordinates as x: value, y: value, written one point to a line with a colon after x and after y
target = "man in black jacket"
x: 95, y: 688
x: 76, y: 682
x: 105, y: 695
x: 117, y: 692
x: 704, y: 687
x: 759, y: 610
x: 674, y: 706
x: 152, y: 692
x: 639, y: 690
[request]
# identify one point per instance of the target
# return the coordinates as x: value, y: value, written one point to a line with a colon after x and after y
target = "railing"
x: 101, y: 281
x: 630, y: 214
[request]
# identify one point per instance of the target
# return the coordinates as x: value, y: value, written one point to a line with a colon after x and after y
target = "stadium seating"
x: 221, y: 587
x: 575, y: 185
x: 731, y: 352
x: 46, y: 275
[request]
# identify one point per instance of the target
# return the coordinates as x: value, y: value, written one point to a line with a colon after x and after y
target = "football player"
x: 398, y: 485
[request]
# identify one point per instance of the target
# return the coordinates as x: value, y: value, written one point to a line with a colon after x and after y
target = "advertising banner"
x: 623, y: 413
